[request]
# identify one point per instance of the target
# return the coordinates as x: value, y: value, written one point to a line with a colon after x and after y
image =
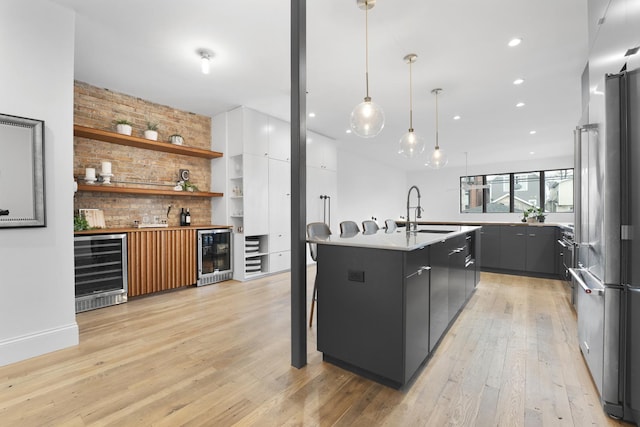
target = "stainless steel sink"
x: 435, y: 231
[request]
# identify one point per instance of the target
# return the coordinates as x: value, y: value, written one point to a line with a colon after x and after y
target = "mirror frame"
x: 35, y: 170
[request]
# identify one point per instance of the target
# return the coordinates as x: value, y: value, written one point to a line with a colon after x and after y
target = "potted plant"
x: 188, y: 186
x: 540, y: 215
x: 152, y: 131
x: 176, y: 139
x: 123, y: 126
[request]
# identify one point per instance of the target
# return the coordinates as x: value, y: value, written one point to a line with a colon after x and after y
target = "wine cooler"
x: 100, y: 270
x: 214, y: 256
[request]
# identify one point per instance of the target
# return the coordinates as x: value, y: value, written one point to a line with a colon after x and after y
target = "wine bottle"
x: 187, y: 219
x: 183, y: 217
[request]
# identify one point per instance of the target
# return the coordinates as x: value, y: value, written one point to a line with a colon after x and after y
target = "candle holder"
x: 106, y: 178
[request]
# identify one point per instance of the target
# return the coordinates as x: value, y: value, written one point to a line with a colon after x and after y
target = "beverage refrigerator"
x: 215, y: 262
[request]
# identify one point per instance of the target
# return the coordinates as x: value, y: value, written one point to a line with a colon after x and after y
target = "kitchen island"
x: 385, y: 300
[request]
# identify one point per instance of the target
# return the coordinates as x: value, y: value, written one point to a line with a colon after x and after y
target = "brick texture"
x: 99, y: 108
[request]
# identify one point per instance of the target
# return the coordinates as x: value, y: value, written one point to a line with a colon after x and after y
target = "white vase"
x: 123, y: 129
x: 151, y: 134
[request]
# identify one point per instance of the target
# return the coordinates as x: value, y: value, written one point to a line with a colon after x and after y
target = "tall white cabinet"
x: 257, y: 190
x: 257, y: 186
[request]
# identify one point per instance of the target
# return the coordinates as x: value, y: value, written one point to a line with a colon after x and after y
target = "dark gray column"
x: 298, y: 183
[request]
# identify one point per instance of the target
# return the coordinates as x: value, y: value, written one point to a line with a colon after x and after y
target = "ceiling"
x: 149, y: 50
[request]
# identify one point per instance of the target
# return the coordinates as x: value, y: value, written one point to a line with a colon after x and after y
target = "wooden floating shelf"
x: 100, y: 188
x: 147, y: 144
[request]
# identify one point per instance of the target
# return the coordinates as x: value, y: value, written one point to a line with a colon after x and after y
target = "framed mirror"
x: 21, y: 172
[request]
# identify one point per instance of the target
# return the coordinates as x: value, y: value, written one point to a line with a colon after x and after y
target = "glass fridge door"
x: 215, y: 251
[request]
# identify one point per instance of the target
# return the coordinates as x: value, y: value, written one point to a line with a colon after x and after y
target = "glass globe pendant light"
x: 411, y: 143
x: 438, y: 158
x: 367, y: 118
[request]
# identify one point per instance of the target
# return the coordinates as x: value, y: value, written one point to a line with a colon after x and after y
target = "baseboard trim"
x: 35, y: 344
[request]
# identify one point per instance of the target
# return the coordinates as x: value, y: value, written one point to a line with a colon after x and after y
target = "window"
x: 516, y: 192
x: 558, y: 190
x: 471, y: 193
x: 499, y: 189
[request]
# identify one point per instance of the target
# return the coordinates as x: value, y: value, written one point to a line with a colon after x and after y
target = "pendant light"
x: 367, y: 118
x: 411, y: 143
x: 438, y: 158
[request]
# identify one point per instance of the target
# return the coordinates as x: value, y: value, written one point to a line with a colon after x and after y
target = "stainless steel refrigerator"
x: 607, y: 235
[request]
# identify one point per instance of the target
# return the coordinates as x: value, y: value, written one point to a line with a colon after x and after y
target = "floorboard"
x: 219, y: 356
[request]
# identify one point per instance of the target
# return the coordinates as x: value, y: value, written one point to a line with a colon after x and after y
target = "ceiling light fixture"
x: 367, y: 118
x: 312, y: 115
x: 205, y: 61
x: 532, y: 132
x: 411, y: 143
x: 456, y: 117
x: 518, y: 81
x: 438, y: 158
x: 514, y: 42
x: 520, y: 104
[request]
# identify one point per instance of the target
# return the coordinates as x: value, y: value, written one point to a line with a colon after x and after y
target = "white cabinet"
x: 279, y: 215
x: 279, y: 139
x: 321, y: 152
x: 255, y: 194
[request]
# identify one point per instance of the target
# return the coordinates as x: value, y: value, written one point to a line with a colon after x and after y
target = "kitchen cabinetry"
x: 133, y: 141
x: 258, y: 181
x: 160, y: 260
x: 490, y: 235
x: 439, y: 301
x: 321, y: 152
x: 513, y: 248
x: 416, y: 315
x: 457, y: 275
x: 524, y: 249
x: 541, y: 250
x: 279, y: 215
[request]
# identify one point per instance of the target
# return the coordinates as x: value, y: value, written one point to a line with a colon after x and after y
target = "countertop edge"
x: 135, y: 230
x: 426, y: 239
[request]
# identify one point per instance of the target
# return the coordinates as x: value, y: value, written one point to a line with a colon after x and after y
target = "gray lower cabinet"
x: 439, y: 319
x: 513, y: 247
x: 490, y: 237
x: 541, y: 250
x: 373, y: 310
x: 457, y: 275
x: 520, y: 249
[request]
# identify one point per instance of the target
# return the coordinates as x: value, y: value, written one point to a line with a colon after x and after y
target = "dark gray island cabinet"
x: 385, y: 300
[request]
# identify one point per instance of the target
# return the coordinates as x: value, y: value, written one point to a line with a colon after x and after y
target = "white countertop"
x: 398, y: 240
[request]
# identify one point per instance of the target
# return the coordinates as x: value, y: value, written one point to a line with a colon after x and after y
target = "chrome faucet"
x: 418, y: 209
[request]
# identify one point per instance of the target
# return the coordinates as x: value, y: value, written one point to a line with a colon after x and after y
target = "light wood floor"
x: 219, y: 355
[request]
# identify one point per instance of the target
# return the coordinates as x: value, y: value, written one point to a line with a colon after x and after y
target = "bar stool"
x: 391, y: 225
x: 349, y: 227
x: 369, y: 227
x: 320, y: 230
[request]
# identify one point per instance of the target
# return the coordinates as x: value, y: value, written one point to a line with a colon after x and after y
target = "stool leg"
x: 313, y: 300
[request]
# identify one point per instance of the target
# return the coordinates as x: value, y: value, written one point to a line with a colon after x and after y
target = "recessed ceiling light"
x: 456, y: 117
x: 518, y: 81
x: 532, y: 132
x: 348, y: 131
x: 520, y: 104
x: 312, y: 115
x: 532, y: 152
x: 515, y: 42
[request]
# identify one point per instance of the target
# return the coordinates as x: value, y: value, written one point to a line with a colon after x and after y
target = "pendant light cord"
x: 366, y: 44
x: 437, y: 146
x: 410, y: 97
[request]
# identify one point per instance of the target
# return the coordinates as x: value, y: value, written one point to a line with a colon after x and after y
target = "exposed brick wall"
x: 99, y: 108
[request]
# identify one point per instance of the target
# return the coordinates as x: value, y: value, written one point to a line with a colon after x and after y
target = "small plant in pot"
x: 540, y: 214
x: 152, y: 131
x: 176, y: 139
x: 124, y: 126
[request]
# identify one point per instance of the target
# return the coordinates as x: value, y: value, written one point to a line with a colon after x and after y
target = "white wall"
x: 368, y: 189
x: 441, y: 194
x: 37, y: 311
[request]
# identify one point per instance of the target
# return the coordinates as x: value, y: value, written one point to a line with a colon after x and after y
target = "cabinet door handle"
x: 519, y: 234
x: 532, y: 235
